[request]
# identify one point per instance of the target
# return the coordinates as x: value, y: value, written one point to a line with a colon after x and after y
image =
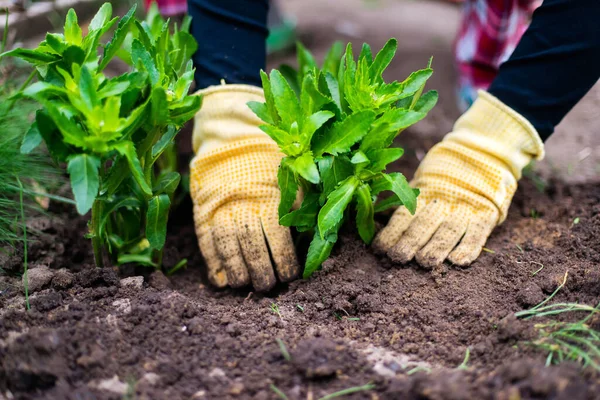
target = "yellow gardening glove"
x: 467, y: 183
x: 233, y: 183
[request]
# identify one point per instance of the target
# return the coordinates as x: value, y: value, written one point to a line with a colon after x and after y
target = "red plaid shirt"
x: 169, y: 8
x: 489, y: 32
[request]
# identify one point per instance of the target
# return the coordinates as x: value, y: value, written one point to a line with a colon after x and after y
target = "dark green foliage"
x: 115, y: 134
x: 336, y: 125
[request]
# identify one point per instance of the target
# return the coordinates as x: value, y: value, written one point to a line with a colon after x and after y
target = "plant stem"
x: 25, y: 278
x: 95, y: 231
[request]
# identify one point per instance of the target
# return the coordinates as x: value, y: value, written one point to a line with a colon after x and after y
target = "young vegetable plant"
x: 336, y: 125
x: 112, y: 132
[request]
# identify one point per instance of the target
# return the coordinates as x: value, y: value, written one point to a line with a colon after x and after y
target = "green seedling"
x: 464, y: 365
x: 112, y: 133
x: 299, y: 307
x: 284, y: 351
x: 566, y: 341
x: 336, y: 125
x: 275, y: 310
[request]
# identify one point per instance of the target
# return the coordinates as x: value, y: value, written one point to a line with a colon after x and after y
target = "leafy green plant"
x: 336, y: 125
x: 112, y: 131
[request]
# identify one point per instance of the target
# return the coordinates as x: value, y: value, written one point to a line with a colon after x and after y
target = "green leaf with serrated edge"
x: 56, y: 42
x: 266, y: 84
x: 388, y: 126
x: 359, y: 158
x: 72, y: 55
x: 71, y: 132
x: 311, y: 99
x: 306, y: 168
x: 334, y: 90
x: 185, y: 110
x: 291, y: 75
x: 331, y: 63
x: 380, y: 158
x: 281, y: 137
x: 113, y: 206
x: 382, y: 60
x: 426, y: 102
x: 366, y: 53
x: 156, y: 220
x: 261, y: 110
x: 333, y: 170
x: 318, y: 251
x: 365, y: 213
x: 164, y: 141
x: 72, y: 29
x: 343, y: 135
x: 350, y: 70
x: 31, y: 139
x: 288, y: 187
x: 306, y: 61
x: 312, y: 123
x: 390, y: 202
x: 83, y: 171
x: 167, y: 183
x: 304, y: 218
x: 144, y: 34
x: 159, y: 107
x: 418, y: 93
x: 337, y: 201
x: 31, y: 56
x: 416, y: 81
x: 182, y: 86
x: 102, y: 18
x: 285, y: 100
x: 127, y: 149
x: 143, y: 59
x: 112, y: 88
x: 119, y: 36
x: 87, y: 88
x: 57, y: 148
x: 399, y: 185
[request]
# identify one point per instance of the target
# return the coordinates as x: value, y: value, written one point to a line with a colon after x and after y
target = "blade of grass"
x: 356, y: 389
x: 25, y: 278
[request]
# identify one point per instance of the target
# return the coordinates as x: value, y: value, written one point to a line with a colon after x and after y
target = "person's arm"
x: 468, y: 180
x: 231, y: 36
x: 555, y: 64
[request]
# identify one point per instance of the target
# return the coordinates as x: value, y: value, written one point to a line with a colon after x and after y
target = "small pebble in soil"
x: 134, y: 282
x: 159, y: 281
x: 63, y: 279
x: 530, y: 296
x: 38, y: 278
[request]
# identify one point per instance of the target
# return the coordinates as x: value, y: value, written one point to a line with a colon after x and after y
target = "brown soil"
x: 96, y: 334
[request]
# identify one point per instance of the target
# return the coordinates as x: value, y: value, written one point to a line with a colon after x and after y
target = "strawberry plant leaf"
x: 83, y: 171
x: 333, y: 211
x: 157, y: 217
x: 365, y: 213
x: 288, y: 187
x: 343, y: 135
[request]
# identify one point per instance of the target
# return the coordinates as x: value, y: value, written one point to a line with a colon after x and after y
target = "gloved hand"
x: 233, y: 183
x: 467, y: 183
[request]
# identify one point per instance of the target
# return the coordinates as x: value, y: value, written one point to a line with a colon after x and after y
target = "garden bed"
x: 108, y: 334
